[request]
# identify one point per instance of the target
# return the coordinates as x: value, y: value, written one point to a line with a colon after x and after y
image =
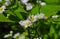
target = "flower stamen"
x: 1, y: 8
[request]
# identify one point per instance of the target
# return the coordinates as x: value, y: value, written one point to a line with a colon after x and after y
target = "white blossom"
x: 16, y: 35
x: 41, y: 16
x: 37, y: 38
x: 40, y: 38
x: 24, y: 1
x: 55, y: 16
x: 2, y: 9
x: 43, y: 4
x: 32, y: 18
x: 11, y: 32
x: 22, y: 23
x: 8, y: 35
x: 4, y: 6
x: 0, y: 0
x: 25, y: 23
x: 38, y: 1
x: 7, y: 3
x: 29, y: 6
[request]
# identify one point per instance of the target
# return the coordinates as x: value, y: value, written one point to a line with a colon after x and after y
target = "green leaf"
x: 4, y: 19
x: 24, y: 34
x: 18, y: 11
x: 35, y: 9
x: 18, y: 15
x: 9, y: 12
x: 20, y: 8
x: 52, y: 31
x: 14, y: 28
x: 59, y: 33
x: 45, y: 36
x: 52, y: 1
x: 55, y: 36
x: 15, y: 4
x: 49, y: 10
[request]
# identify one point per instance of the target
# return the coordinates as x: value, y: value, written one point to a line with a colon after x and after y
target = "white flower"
x: 41, y: 16
x: 11, y: 32
x: 25, y: 23
x: 29, y: 6
x: 7, y: 3
x: 22, y: 23
x: 8, y: 35
x: 16, y: 35
x: 37, y: 38
x: 43, y: 4
x: 0, y: 0
x: 40, y: 38
x: 2, y: 9
x: 24, y: 1
x: 38, y: 1
x: 32, y: 18
x: 55, y: 16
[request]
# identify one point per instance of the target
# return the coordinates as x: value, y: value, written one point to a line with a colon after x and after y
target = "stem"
x: 28, y: 33
x: 39, y: 6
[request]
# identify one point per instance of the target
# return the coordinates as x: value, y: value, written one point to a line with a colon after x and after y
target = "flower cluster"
x: 3, y: 7
x: 41, y: 3
x: 28, y: 5
x: 17, y: 35
x: 31, y: 19
x: 8, y: 35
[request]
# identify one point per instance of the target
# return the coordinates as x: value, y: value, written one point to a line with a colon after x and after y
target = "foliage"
x: 44, y: 28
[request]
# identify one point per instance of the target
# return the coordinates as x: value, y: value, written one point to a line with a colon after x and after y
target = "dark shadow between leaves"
x: 25, y: 15
x: 58, y: 13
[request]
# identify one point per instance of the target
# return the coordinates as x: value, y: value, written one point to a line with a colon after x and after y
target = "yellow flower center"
x: 27, y: 23
x: 1, y: 8
x: 32, y: 18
